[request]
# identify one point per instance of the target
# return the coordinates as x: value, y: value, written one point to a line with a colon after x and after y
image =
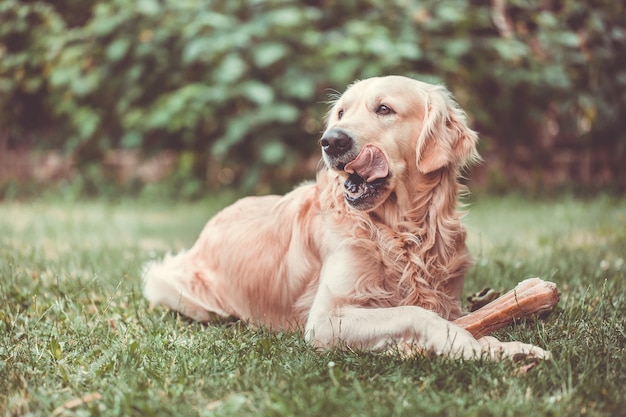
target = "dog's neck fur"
x: 420, y: 239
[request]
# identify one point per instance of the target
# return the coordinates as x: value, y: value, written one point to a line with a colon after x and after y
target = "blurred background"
x: 182, y: 97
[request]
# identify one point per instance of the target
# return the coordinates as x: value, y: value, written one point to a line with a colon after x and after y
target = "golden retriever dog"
x: 371, y: 256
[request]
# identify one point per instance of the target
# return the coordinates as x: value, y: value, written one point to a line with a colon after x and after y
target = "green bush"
x: 240, y: 83
x: 29, y: 36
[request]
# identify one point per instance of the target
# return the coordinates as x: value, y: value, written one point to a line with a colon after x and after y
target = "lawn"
x: 77, y: 338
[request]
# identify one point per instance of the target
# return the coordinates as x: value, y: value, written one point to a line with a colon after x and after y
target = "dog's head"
x: 383, y: 132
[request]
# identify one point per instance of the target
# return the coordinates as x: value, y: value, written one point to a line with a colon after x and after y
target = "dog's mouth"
x: 363, y: 195
x: 367, y: 179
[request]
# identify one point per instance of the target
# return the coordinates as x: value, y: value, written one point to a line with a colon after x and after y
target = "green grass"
x: 73, y: 323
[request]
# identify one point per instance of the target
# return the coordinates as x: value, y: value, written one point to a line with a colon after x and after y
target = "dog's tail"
x: 173, y: 282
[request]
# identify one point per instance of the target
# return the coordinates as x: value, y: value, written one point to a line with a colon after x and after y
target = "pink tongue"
x: 370, y: 164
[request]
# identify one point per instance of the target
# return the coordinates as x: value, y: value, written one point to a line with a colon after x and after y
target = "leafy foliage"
x: 240, y: 82
x: 27, y: 42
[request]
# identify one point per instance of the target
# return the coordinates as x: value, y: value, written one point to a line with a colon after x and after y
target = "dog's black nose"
x: 335, y: 142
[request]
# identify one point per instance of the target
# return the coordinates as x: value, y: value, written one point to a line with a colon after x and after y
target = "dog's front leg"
x: 334, y: 321
x: 403, y: 328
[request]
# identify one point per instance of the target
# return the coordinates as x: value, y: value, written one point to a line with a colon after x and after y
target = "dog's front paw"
x: 514, y: 350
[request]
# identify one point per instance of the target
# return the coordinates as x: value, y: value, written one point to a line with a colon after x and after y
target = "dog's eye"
x: 340, y: 114
x: 383, y: 110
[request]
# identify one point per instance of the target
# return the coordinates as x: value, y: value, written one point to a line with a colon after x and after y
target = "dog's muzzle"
x: 367, y: 168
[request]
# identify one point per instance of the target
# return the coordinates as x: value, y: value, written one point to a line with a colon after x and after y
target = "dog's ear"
x: 445, y: 139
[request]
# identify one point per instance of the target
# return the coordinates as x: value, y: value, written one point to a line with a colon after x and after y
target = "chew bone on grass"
x: 531, y: 297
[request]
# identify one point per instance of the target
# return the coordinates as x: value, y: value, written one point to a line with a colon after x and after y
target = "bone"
x: 530, y: 298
